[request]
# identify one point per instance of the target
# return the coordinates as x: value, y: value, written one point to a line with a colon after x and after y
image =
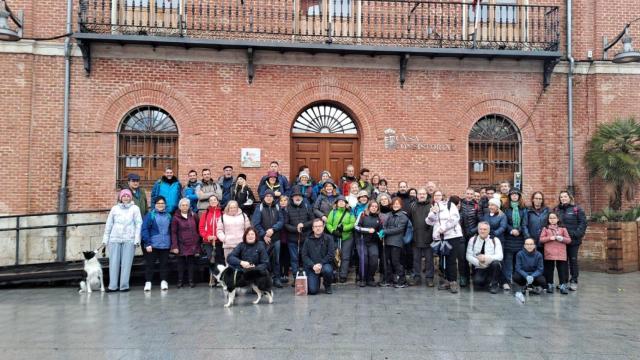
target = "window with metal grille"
x: 494, y: 151
x: 324, y: 119
x: 147, y: 144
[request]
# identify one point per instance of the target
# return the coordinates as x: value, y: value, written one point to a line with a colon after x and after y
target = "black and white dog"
x: 93, y: 269
x: 232, y: 280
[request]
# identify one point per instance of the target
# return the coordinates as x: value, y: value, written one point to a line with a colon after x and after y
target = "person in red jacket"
x: 555, y: 239
x: 185, y: 240
x: 208, y: 232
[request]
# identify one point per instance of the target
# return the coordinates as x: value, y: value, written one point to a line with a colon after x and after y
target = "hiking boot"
x: 147, y: 286
x: 164, y: 286
x: 430, y: 283
x: 327, y: 290
x: 463, y: 281
x: 573, y: 286
x: 444, y: 285
x: 493, y: 288
x: 564, y: 290
x: 277, y: 283
x: 453, y: 287
x: 506, y: 287
x: 550, y: 288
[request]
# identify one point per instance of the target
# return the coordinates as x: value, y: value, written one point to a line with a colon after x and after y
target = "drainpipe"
x: 61, y: 244
x: 571, y: 60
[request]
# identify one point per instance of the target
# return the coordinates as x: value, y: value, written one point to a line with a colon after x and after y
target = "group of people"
x: 330, y: 228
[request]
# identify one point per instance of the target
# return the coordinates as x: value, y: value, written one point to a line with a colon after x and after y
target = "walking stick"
x: 384, y: 261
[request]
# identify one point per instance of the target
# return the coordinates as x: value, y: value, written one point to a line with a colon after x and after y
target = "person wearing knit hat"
x: 317, y: 188
x: 243, y: 194
x: 281, y: 180
x: 305, y: 187
x: 363, y: 199
x: 121, y: 237
x: 271, y: 182
x: 325, y: 200
x: 496, y: 219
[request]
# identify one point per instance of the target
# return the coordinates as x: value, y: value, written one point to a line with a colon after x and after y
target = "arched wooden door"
x: 324, y: 137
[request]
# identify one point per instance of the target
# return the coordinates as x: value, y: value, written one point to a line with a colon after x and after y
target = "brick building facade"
x: 217, y: 111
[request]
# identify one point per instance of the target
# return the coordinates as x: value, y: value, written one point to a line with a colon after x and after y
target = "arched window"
x: 494, y: 152
x: 148, y: 143
x: 324, y: 119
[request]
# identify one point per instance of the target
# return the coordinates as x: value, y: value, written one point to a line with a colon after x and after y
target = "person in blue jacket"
x: 530, y: 268
x: 496, y: 219
x: 190, y: 189
x: 156, y: 240
x: 169, y: 188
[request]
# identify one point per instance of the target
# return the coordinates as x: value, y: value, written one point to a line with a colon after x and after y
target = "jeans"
x: 368, y: 253
x: 274, y: 258
x: 345, y: 256
x: 563, y: 271
x: 507, y: 266
x: 162, y: 255
x: 394, y: 268
x: 488, y: 276
x: 418, y: 254
x: 572, y: 257
x: 313, y: 279
x: 120, y: 261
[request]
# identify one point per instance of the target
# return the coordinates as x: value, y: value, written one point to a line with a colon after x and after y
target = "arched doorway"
x: 324, y: 137
x: 494, y: 152
x: 147, y: 144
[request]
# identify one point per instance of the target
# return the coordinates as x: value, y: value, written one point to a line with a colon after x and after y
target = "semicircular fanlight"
x: 324, y: 119
x: 148, y: 119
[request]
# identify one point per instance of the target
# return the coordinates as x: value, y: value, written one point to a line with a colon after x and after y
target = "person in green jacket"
x: 139, y: 195
x: 340, y: 224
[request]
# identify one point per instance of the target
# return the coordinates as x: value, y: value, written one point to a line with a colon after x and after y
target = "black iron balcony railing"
x: 422, y: 24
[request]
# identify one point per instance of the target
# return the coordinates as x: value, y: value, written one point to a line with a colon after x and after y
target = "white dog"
x: 93, y: 269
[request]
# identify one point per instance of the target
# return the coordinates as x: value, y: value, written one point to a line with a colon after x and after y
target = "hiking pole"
x: 384, y: 261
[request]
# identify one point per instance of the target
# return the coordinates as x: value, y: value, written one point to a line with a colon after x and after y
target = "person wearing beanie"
x: 268, y: 220
x: 340, y: 224
x: 282, y: 181
x: 121, y: 237
x: 496, y: 218
x: 168, y: 187
x: 243, y: 194
x: 297, y: 223
x: 317, y: 188
x: 324, y: 203
x: 305, y: 187
x: 363, y: 200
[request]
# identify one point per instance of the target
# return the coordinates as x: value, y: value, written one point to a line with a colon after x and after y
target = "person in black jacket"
x: 394, y: 228
x: 268, y: 220
x: 367, y: 227
x: 251, y: 254
x: 469, y: 217
x: 243, y: 194
x: 297, y: 222
x: 317, y: 258
x: 574, y: 219
x: 422, y: 238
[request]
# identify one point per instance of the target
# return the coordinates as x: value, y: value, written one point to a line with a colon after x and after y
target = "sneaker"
x: 385, y: 284
x: 537, y: 290
x: 493, y: 288
x: 453, y: 287
x: 520, y: 297
x: 430, y: 283
x: 573, y: 286
x: 401, y: 285
x: 147, y: 286
x: 327, y: 290
x: 277, y: 283
x: 564, y: 290
x: 443, y: 285
x: 506, y: 287
x: 164, y: 285
x: 111, y: 290
x: 550, y: 288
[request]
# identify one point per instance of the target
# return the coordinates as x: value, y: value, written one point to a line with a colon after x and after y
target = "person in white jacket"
x: 484, y: 253
x: 447, y: 235
x: 231, y: 226
x: 121, y: 237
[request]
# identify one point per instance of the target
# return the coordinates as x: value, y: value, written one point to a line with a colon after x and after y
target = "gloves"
x: 529, y: 280
x: 559, y: 238
x: 381, y: 233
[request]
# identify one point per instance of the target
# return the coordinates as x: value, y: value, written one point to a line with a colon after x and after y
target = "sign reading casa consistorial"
x: 395, y: 141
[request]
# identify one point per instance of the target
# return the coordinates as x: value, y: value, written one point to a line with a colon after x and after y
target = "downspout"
x: 571, y: 60
x: 61, y: 244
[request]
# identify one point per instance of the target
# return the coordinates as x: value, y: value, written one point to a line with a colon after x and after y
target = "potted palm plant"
x: 614, y: 156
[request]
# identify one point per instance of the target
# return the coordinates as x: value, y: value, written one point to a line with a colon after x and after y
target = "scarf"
x: 515, y: 215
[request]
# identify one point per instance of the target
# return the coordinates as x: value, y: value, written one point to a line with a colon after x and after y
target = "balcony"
x: 372, y: 27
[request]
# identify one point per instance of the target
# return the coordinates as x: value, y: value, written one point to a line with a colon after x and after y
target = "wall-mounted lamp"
x: 627, y: 55
x: 6, y: 33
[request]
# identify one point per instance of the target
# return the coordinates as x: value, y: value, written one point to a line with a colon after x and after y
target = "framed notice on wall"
x: 250, y: 157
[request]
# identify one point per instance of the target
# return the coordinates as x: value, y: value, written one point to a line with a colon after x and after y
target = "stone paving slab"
x: 600, y: 321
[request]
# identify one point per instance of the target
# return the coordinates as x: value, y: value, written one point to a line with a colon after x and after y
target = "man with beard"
x: 208, y: 187
x: 168, y: 187
x: 422, y: 238
x: 347, y: 179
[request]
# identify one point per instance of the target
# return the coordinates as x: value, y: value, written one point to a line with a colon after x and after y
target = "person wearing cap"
x: 226, y: 182
x: 208, y: 187
x: 317, y: 188
x: 340, y: 224
x: 168, y: 186
x: 305, y: 186
x: 515, y: 235
x: 297, y: 223
x: 268, y: 220
x: 324, y: 203
x: 121, y: 237
x: 363, y: 200
x: 190, y: 189
x: 243, y: 194
x: 139, y: 195
x: 282, y: 180
x: 272, y: 183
